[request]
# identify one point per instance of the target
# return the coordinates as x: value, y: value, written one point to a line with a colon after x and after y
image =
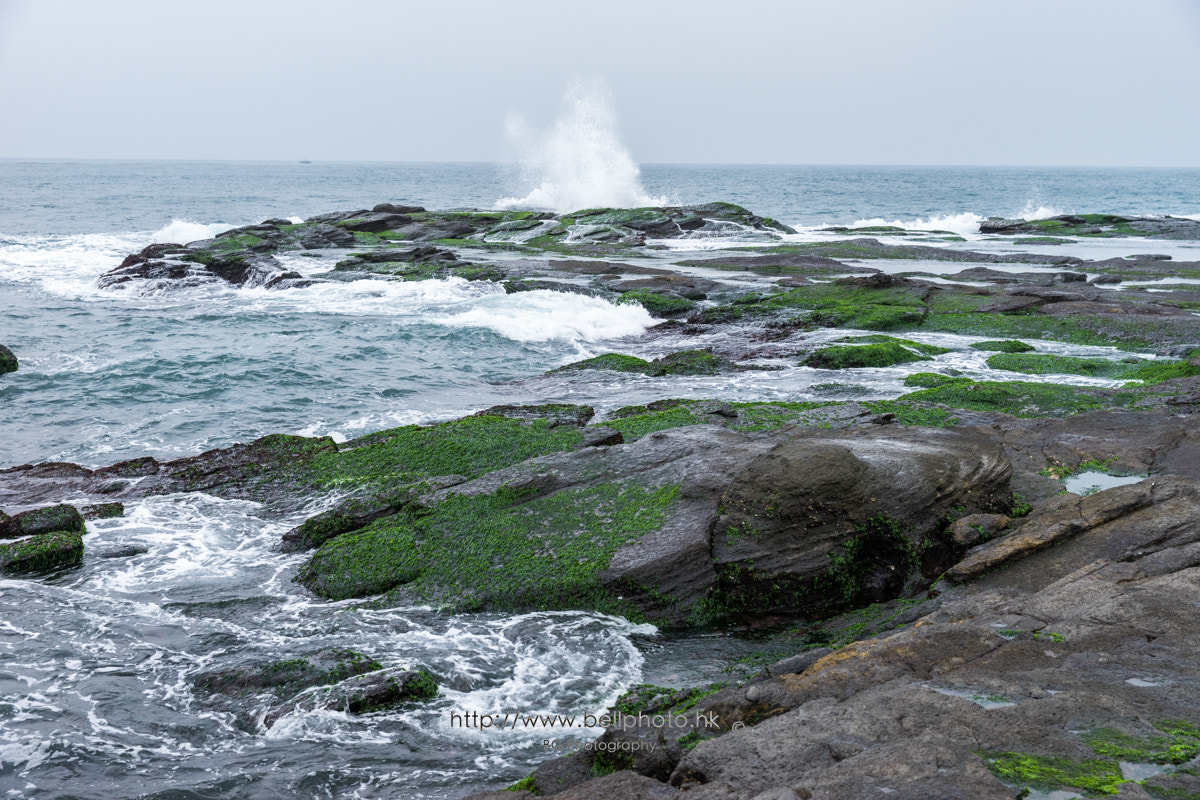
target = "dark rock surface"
x: 8, y: 361
x: 42, y: 520
x: 1050, y: 660
x: 1104, y: 225
x: 41, y: 553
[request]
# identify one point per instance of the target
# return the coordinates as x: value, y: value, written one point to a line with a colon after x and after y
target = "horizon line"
x: 52, y: 159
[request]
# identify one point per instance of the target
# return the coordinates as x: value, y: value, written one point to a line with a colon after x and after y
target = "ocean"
x: 96, y: 664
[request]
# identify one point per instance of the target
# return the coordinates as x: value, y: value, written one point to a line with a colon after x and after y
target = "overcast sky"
x: 1022, y: 82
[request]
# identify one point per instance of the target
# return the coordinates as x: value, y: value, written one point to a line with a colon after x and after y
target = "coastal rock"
x: 1096, y: 225
x: 8, y: 362
x: 289, y: 677
x: 728, y: 523
x: 378, y: 691
x: 362, y: 693
x: 45, y: 551
x: 42, y: 520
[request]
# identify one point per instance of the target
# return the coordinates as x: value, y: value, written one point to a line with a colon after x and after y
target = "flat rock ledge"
x: 1063, y: 661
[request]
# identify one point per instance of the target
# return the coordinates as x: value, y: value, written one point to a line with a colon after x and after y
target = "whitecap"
x: 964, y: 223
x: 182, y: 231
x: 542, y: 315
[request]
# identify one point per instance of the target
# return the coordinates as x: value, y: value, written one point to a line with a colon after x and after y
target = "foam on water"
x: 579, y: 162
x: 542, y: 315
x: 1034, y: 210
x: 181, y: 231
x: 107, y: 681
x: 963, y: 223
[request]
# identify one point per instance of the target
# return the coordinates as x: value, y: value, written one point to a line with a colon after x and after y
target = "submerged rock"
x: 289, y: 677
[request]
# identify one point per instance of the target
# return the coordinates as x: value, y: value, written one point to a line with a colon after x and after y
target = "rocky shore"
x: 952, y: 621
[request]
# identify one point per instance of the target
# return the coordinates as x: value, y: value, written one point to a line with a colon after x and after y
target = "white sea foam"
x: 67, y: 266
x: 1037, y: 211
x: 181, y: 231
x: 541, y: 315
x: 964, y: 223
x: 580, y: 161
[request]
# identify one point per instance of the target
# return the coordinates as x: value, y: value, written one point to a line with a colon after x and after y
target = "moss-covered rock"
x: 878, y: 302
x: 876, y: 354
x: 497, y: 551
x: 378, y: 692
x: 412, y: 454
x: 1005, y: 346
x: 8, y: 362
x: 660, y: 304
x: 1022, y: 399
x: 288, y: 677
x: 43, y: 520
x: 932, y: 380
x: 1143, y: 371
x: 686, y: 362
x: 103, y: 511
x: 40, y: 553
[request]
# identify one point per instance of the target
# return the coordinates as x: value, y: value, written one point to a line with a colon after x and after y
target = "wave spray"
x: 579, y: 162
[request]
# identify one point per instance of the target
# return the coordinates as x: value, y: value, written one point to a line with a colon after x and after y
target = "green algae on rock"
x: 1005, y: 346
x: 286, y: 678
x: 40, y: 553
x: 8, y: 361
x: 871, y: 352
x: 686, y: 362
x: 505, y: 550
x: 49, y: 519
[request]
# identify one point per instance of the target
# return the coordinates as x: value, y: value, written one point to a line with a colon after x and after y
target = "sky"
x: 921, y: 82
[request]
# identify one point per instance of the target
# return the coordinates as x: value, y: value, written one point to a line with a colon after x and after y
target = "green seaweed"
x: 1022, y: 399
x: 658, y: 304
x: 845, y: 356
x: 1004, y: 346
x: 42, y: 552
x: 501, y: 551
x: 1049, y: 773
x: 469, y: 447
x: 526, y: 784
x: 932, y: 380
x: 686, y: 362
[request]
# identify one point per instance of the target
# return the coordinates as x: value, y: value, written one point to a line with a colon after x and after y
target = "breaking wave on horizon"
x: 578, y: 162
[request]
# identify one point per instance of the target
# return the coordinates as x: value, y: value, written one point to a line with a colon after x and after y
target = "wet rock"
x: 974, y: 528
x: 797, y: 663
x: 323, y: 236
x: 601, y: 436
x: 42, y: 520
x: 103, y: 511
x: 1070, y: 518
x: 288, y: 677
x: 8, y: 362
x: 391, y: 208
x: 128, y: 551
x: 554, y: 413
x: 42, y: 552
x: 378, y: 691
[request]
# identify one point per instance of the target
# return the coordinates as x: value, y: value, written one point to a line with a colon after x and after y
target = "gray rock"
x: 797, y: 663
